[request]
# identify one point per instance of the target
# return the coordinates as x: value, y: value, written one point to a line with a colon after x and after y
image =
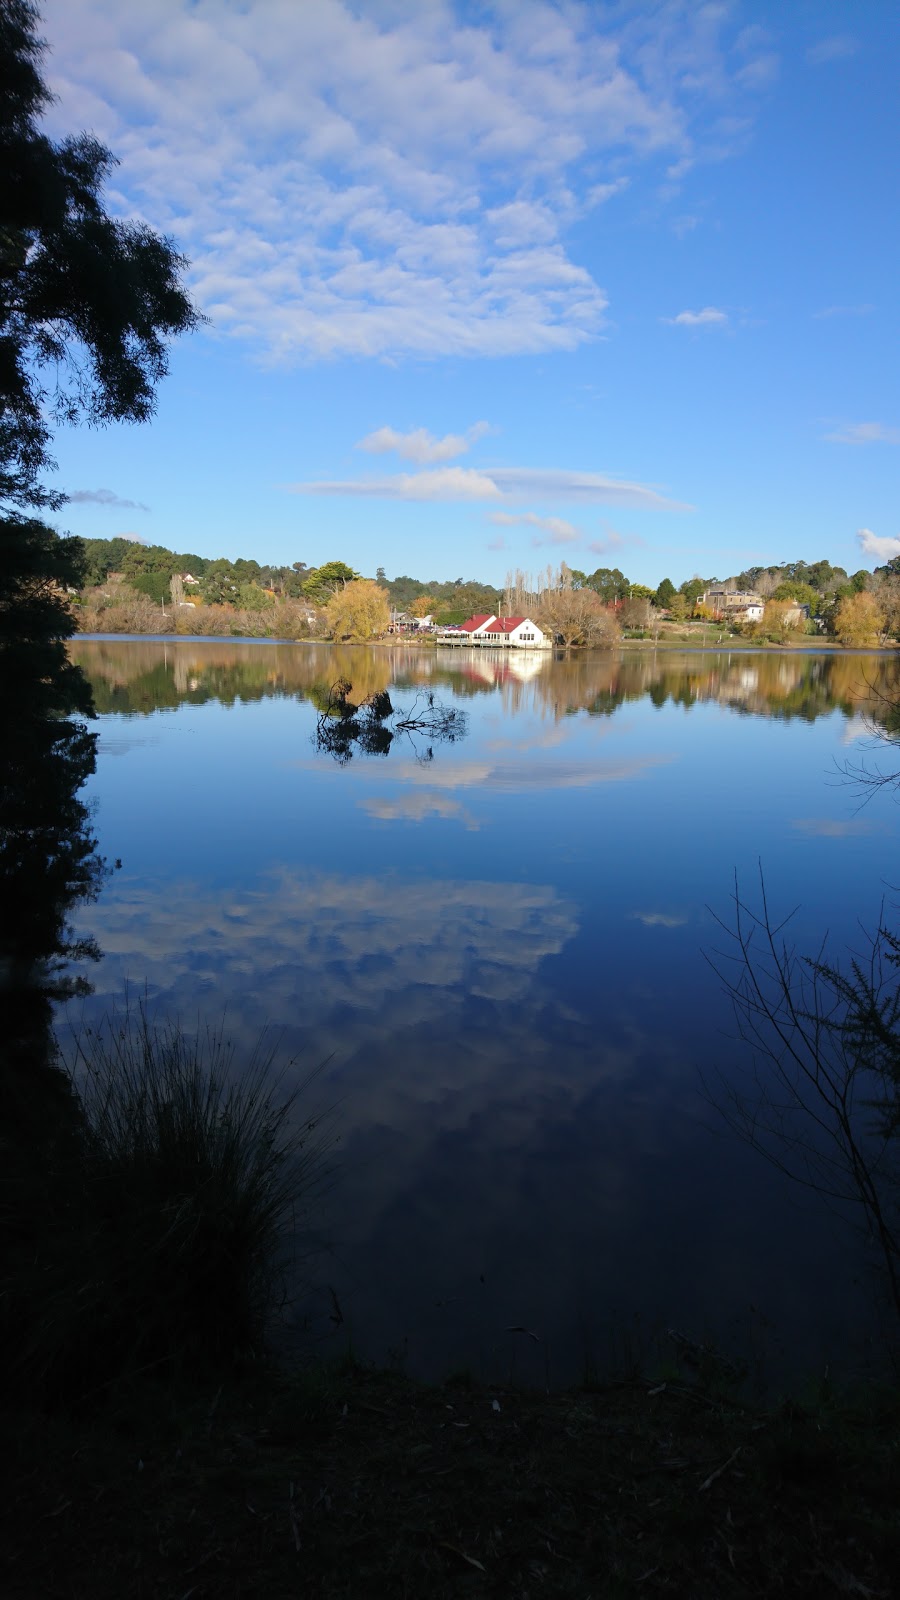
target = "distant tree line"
x: 858, y: 608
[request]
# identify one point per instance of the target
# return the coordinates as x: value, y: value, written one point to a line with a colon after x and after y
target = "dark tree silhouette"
x: 87, y: 306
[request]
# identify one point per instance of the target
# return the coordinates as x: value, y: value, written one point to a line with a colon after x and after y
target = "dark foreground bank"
x: 357, y: 1484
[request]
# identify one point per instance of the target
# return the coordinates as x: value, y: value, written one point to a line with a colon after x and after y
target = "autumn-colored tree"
x: 423, y: 606
x: 781, y: 619
x: 358, y: 610
x: 860, y: 619
x: 577, y: 617
x: 635, y: 612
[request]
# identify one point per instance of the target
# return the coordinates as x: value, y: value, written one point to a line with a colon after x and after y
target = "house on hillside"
x: 486, y: 630
x: 731, y: 604
x: 752, y: 612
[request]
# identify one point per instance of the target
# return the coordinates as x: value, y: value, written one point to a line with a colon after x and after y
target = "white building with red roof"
x: 519, y: 632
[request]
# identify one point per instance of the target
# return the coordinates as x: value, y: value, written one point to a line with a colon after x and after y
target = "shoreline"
x: 641, y: 646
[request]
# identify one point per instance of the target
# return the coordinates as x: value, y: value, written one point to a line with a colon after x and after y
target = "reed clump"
x: 172, y: 1220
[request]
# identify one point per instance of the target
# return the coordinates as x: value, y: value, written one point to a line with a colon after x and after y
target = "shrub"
x: 179, y: 1211
x: 128, y: 612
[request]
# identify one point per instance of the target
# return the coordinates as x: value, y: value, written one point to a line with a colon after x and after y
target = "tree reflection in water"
x: 372, y: 727
x: 138, y: 677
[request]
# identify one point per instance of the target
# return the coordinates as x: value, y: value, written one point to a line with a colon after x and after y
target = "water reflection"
x: 138, y: 677
x: 500, y: 957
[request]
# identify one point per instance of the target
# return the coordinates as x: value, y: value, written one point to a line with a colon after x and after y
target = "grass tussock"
x: 177, y: 1213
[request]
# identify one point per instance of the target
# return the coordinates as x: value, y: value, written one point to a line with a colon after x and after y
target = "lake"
x: 496, y: 946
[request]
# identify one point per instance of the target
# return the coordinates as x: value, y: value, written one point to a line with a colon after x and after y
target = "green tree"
x: 253, y: 598
x: 692, y: 589
x: 324, y: 581
x: 665, y: 594
x: 154, y: 583
x: 609, y: 583
x: 88, y: 306
x: 803, y: 593
x: 218, y: 585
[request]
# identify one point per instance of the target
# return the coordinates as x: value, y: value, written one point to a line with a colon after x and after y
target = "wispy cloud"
x: 837, y: 47
x: 496, y: 483
x: 658, y: 919
x: 104, y: 497
x: 865, y: 433
x: 843, y: 311
x: 760, y: 72
x: 387, y: 180
x: 444, y: 483
x: 599, y: 193
x: 615, y: 541
x: 831, y: 827
x: 558, y: 531
x: 710, y: 316
x: 421, y: 446
x: 884, y: 549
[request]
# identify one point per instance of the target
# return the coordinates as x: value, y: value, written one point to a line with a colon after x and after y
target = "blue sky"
x: 503, y: 285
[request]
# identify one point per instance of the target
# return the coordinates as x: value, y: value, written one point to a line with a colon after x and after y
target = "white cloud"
x: 884, y: 549
x: 835, y: 48
x: 386, y: 180
x: 558, y: 530
x: 709, y: 316
x: 445, y: 483
x: 587, y: 486
x: 658, y: 919
x: 104, y: 497
x: 865, y: 433
x: 599, y: 193
x: 420, y: 445
x: 494, y: 483
x: 416, y: 807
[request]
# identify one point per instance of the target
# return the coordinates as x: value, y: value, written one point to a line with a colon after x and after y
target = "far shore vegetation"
x: 128, y: 587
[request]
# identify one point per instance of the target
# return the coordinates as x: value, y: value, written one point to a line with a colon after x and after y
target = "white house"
x: 485, y: 629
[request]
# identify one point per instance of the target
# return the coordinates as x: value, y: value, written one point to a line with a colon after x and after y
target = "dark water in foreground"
x: 499, y: 951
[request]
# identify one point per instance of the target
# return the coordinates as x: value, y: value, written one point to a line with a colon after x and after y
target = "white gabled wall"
x: 527, y: 627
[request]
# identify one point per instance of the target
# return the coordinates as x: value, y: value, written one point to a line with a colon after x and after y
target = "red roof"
x: 504, y: 624
x: 478, y: 621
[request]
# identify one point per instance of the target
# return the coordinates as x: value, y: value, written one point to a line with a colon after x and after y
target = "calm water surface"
x: 499, y: 952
